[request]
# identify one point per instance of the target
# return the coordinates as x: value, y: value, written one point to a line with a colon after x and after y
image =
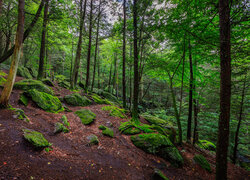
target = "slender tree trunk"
x: 4, y: 99
x: 79, y: 46
x: 98, y: 70
x: 114, y: 74
x: 89, y: 48
x: 190, y: 109
x: 182, y: 74
x: 110, y: 74
x: 1, y: 34
x: 124, y: 57
x: 225, y: 91
x: 72, y: 59
x: 96, y: 44
x: 43, y: 42
x: 136, y: 74
x: 236, y: 139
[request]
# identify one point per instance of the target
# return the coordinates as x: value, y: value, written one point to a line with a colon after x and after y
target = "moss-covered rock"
x: 202, y: 161
x: 35, y: 138
x: 106, y: 131
x: 59, y: 127
x: 46, y: 101
x: 204, y: 144
x: 19, y: 114
x: 23, y: 99
x: 28, y: 84
x: 33, y: 71
x: 64, y: 84
x: 64, y: 120
x: 48, y: 82
x: 158, y: 175
x: 24, y: 72
x: 86, y: 116
x: 115, y: 111
x: 92, y: 139
x: 155, y: 120
x: 129, y: 128
x: 100, y: 100
x: 76, y: 99
x: 107, y: 95
x: 160, y: 145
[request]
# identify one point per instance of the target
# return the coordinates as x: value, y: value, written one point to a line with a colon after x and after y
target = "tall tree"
x: 225, y: 90
x: 89, y: 47
x: 124, y: 56
x: 4, y: 99
x: 79, y: 45
x: 43, y: 41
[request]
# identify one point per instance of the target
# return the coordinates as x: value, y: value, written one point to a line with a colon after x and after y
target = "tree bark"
x: 6, y: 55
x: 43, y: 43
x: 79, y: 46
x: 1, y: 34
x: 225, y: 91
x: 124, y: 57
x: 4, y: 99
x: 182, y: 74
x: 89, y: 48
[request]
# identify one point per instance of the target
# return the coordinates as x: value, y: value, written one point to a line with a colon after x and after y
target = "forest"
x: 124, y: 89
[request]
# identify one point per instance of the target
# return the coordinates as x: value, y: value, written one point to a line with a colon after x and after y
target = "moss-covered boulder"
x: 46, y: 101
x: 160, y: 145
x: 204, y: 144
x: 33, y: 71
x: 107, y: 131
x: 115, y: 111
x: 158, y: 175
x: 155, y: 120
x: 92, y: 140
x: 86, y: 116
x: 107, y: 95
x: 64, y: 120
x: 35, y: 138
x: 202, y: 161
x: 129, y: 128
x: 100, y: 100
x: 76, y: 99
x: 59, y: 127
x: 23, y: 99
x: 48, y: 82
x: 24, y: 72
x: 28, y: 84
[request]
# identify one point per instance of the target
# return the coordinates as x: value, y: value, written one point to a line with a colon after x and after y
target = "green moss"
x: 100, y: 100
x: 76, y: 99
x: 33, y: 72
x: 106, y: 131
x: 129, y: 128
x: 92, y: 139
x: 19, y: 113
x: 48, y: 82
x: 155, y: 120
x: 158, y: 175
x: 202, y: 161
x: 2, y: 73
x: 107, y: 95
x: 160, y: 145
x: 28, y: 84
x: 65, y: 121
x: 115, y: 111
x: 86, y: 116
x: 46, y: 101
x: 64, y: 84
x: 204, y: 144
x: 102, y: 127
x: 59, y: 127
x: 35, y: 138
x: 23, y: 100
x: 24, y: 72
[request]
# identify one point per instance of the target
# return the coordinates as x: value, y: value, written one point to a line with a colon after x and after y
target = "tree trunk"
x: 124, y: 56
x: 225, y: 90
x: 98, y: 70
x: 96, y: 44
x: 236, y: 139
x: 182, y: 75
x: 43, y: 43
x: 79, y: 46
x: 136, y: 74
x: 110, y: 74
x: 190, y: 108
x: 1, y: 34
x: 4, y: 99
x: 89, y: 48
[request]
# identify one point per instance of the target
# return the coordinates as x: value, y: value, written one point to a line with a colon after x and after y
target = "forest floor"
x: 71, y: 157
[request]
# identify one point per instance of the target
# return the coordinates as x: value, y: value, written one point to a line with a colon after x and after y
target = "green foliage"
x: 23, y: 99
x: 48, y: 82
x: 202, y: 161
x: 100, y: 100
x: 28, y: 84
x: 2, y: 79
x: 204, y: 144
x: 20, y: 114
x: 24, y: 72
x: 65, y: 121
x: 158, y: 175
x: 59, y: 127
x: 86, y: 116
x: 129, y: 128
x: 115, y: 111
x: 36, y: 138
x: 46, y: 101
x: 76, y: 99
x: 106, y: 131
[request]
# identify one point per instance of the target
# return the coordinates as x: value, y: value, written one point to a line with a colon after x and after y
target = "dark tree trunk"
x: 225, y: 91
x: 43, y: 43
x: 98, y: 71
x: 6, y: 55
x: 96, y: 44
x: 182, y: 74
x: 8, y: 86
x: 136, y: 74
x: 124, y: 57
x: 79, y: 46
x: 114, y: 74
x: 89, y: 48
x: 190, y: 108
x: 1, y: 34
x: 110, y: 74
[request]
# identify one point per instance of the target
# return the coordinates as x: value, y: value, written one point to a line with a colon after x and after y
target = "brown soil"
x: 71, y: 157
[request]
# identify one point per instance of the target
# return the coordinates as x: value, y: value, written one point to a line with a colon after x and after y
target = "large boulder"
x: 46, y: 101
x: 24, y: 72
x: 160, y: 145
x: 155, y: 120
x: 35, y: 138
x: 86, y: 116
x: 28, y: 84
x: 76, y: 99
